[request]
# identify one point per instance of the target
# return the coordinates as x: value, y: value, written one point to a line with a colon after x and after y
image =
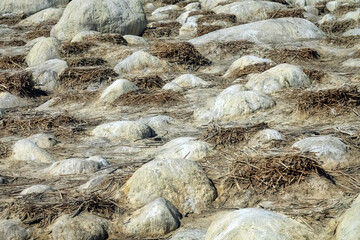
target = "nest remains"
x: 283, y: 13
x: 231, y: 18
x: 233, y: 46
x: 315, y: 75
x: 86, y: 61
x: 348, y: 41
x: 340, y: 26
x: 13, y: 62
x: 285, y: 55
x: 74, y: 48
x: 162, y: 29
x: 41, y: 30
x: 254, y: 68
x: 78, y: 77
x: 146, y: 97
x: 201, y: 12
x: 148, y: 82
x: 19, y: 83
x: 4, y: 150
x: 113, y: 38
x: 75, y: 96
x: 12, y: 20
x: 204, y: 29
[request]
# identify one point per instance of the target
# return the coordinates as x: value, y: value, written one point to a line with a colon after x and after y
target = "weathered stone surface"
x: 36, y: 189
x: 349, y: 226
x: 7, y: 100
x: 3, y: 180
x: 164, y: 12
x: 265, y: 136
x: 93, y: 183
x: 44, y: 140
x: 173, y: 87
x: 160, y: 122
x: 42, y: 51
x: 50, y: 14
x: 256, y: 224
x: 135, y: 40
x: 155, y: 219
x: 81, y: 36
x: 190, y: 81
x: 13, y: 229
x: 29, y: 6
x: 116, y: 89
x: 116, y: 16
x: 84, y: 226
x: 189, y: 234
x: 181, y: 181
x: 352, y: 32
x: 26, y: 150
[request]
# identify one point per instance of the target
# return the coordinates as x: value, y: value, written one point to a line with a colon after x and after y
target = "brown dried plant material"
x: 19, y: 83
x: 254, y: 68
x: 85, y: 61
x: 12, y: 19
x: 148, y: 82
x: 338, y: 26
x: 13, y: 62
x: 113, y: 38
x: 233, y: 46
x: 315, y: 75
x: 143, y: 97
x: 290, y: 12
x: 75, y: 96
x: 5, y: 150
x: 285, y: 55
x: 204, y: 29
x: 348, y: 41
x: 201, y: 12
x: 231, y: 18
x: 162, y: 29
x: 74, y: 48
x: 12, y: 43
x: 80, y: 77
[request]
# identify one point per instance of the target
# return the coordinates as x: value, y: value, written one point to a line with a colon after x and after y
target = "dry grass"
x: 12, y: 43
x: 285, y: 55
x: 327, y: 101
x: 272, y: 173
x: 12, y: 20
x: 4, y: 150
x: 233, y: 46
x: 19, y: 83
x: 349, y: 41
x: 148, y: 82
x: 182, y: 53
x: 356, y: 54
x: 283, y: 13
x: 13, y: 62
x: 75, y: 96
x: 162, y: 29
x: 225, y: 136
x: 315, y: 75
x: 42, y: 29
x: 255, y: 68
x: 184, y: 3
x: 338, y: 26
x: 231, y: 18
x: 146, y: 97
x: 201, y: 12
x: 204, y: 29
x: 74, y: 48
x: 113, y: 38
x: 79, y: 77
x: 86, y: 61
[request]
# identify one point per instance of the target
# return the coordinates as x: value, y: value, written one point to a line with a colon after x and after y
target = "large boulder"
x: 181, y: 181
x: 50, y: 14
x: 13, y: 229
x: 349, y: 226
x: 256, y: 224
x: 115, y: 16
x: 7, y: 100
x: 190, y: 81
x: 189, y: 234
x: 26, y: 150
x: 116, y: 89
x: 249, y: 11
x: 277, y: 78
x: 266, y: 31
x: 155, y: 219
x: 44, y: 50
x: 29, y: 6
x: 84, y: 226
x: 263, y: 137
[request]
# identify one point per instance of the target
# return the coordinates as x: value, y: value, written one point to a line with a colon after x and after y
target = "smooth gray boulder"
x: 13, y: 229
x: 189, y: 234
x: 116, y: 89
x: 44, y: 140
x: 265, y: 136
x: 349, y: 226
x: 7, y: 100
x: 29, y: 6
x: 190, y: 81
x: 50, y: 14
x: 44, y: 50
x: 36, y: 189
x: 26, y: 150
x: 115, y: 16
x: 181, y: 181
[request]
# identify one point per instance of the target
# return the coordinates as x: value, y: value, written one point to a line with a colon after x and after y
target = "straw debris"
x: 162, y: 29
x: 12, y: 43
x: 75, y: 96
x: 19, y: 83
x: 347, y: 41
x: 340, y: 26
x: 201, y: 12
x: 204, y: 29
x: 255, y: 68
x: 315, y: 75
x: 13, y: 62
x: 286, y: 55
x: 113, y: 38
x: 146, y: 97
x: 74, y: 48
x: 148, y: 82
x: 42, y: 29
x: 290, y: 12
x: 231, y: 18
x: 82, y: 62
x: 4, y: 150
x: 233, y: 46
x: 11, y: 20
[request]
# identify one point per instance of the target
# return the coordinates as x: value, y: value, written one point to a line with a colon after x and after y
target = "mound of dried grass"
x: 13, y: 62
x: 231, y: 18
x: 12, y: 43
x: 75, y: 96
x: 42, y: 29
x: 19, y: 83
x: 201, y: 12
x: 86, y: 61
x: 146, y: 97
x: 184, y: 3
x: 255, y: 68
x: 148, y: 82
x: 285, y: 55
x: 315, y: 75
x: 225, y: 136
x: 12, y: 20
x: 348, y: 41
x: 171, y: 2
x: 290, y: 12
x: 113, y: 38
x: 162, y: 29
x: 338, y: 26
x: 272, y: 173
x: 233, y: 46
x: 78, y: 77
x: 325, y: 101
x: 182, y: 53
x: 69, y: 49
x: 205, y: 29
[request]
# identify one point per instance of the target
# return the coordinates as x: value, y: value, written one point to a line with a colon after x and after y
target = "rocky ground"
x: 170, y: 119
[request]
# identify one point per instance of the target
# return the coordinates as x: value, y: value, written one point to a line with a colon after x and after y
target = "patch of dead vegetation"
x: 162, y: 29
x: 356, y: 54
x: 254, y: 68
x: 171, y: 2
x: 12, y: 20
x: 344, y: 41
x: 233, y: 46
x: 5, y: 150
x: 280, y: 1
x: 345, y: 8
x: 145, y: 97
x: 205, y: 29
x: 289, y: 12
x: 12, y: 43
x: 148, y: 82
x: 223, y: 137
x: 338, y: 100
x: 79, y: 77
x: 184, y: 3
x: 69, y: 49
x: 316, y: 76
x: 272, y: 173
x: 74, y: 96
x: 113, y: 38
x: 231, y: 18
x: 41, y: 30
x: 182, y: 53
x: 340, y: 26
x: 285, y: 55
x: 201, y: 12
x: 86, y: 61
x: 19, y: 83
x: 13, y: 62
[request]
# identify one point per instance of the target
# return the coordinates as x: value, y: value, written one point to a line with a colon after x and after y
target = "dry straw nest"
x: 75, y: 96
x: 162, y: 29
x: 315, y: 75
x: 4, y: 150
x: 348, y: 41
x: 201, y: 12
x: 231, y: 18
x: 19, y: 83
x: 272, y: 173
x: 285, y: 55
x: 182, y: 53
x: 291, y: 12
x: 41, y: 30
x: 204, y: 29
x: 113, y: 38
x: 338, y: 26
x: 148, y: 82
x: 232, y: 47
x: 254, y: 68
x: 13, y: 62
x: 12, y: 43
x: 147, y: 97
x: 11, y: 19
x: 85, y: 61
x: 223, y: 137
x: 69, y: 49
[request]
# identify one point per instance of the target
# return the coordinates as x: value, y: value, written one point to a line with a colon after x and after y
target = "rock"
x: 327, y: 18
x: 13, y: 229
x: 135, y: 40
x: 150, y: 7
x: 116, y: 89
x: 158, y: 122
x: 311, y: 10
x: 184, y: 147
x: 264, y: 136
x: 331, y: 150
x: 189, y: 234
x: 155, y: 219
x: 210, y: 4
x: 140, y: 62
x: 188, y: 30
x: 183, y: 17
x: 93, y: 183
x: 31, y: 43
x: 81, y: 36
x: 77, y: 166
x: 352, y: 32
x: 256, y: 224
x: 7, y: 100
x: 351, y: 63
x: 354, y: 15
x: 116, y: 16
x: 277, y: 78
x: 164, y: 12
x: 332, y: 5
x: 36, y: 189
x: 195, y: 6
x: 173, y: 87
x: 243, y: 62
x: 26, y: 150
x: 190, y: 81
x: 29, y: 7
x: 3, y: 180
x: 84, y: 226
x: 131, y: 130
x: 249, y: 11
x: 50, y: 14
x: 267, y: 31
x: 43, y: 50
x: 349, y: 226
x: 181, y: 181
x: 44, y: 140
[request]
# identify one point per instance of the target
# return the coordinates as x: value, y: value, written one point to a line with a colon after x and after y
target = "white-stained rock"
x: 210, y: 4
x: 42, y: 51
x: 183, y: 17
x: 26, y: 150
x: 84, y: 226
x: 327, y: 18
x: 155, y: 219
x: 331, y: 150
x: 164, y: 12
x: 140, y: 62
x: 249, y: 11
x: 135, y: 40
x: 77, y: 166
x: 116, y: 89
x: 13, y: 229
x: 277, y: 78
x: 354, y: 15
x: 244, y: 62
x: 36, y: 189
x: 29, y: 6
x: 44, y: 140
x: 195, y: 6
x: 173, y: 87
x: 256, y: 224
x: 50, y: 14
x: 332, y: 5
x: 264, y: 136
x: 190, y: 81
x: 266, y: 31
x: 81, y: 36
x: 349, y: 226
x: 157, y: 122
x: 184, y: 147
x: 189, y: 234
x: 7, y: 100
x: 188, y: 30
x: 93, y: 183
x: 352, y: 32
x: 131, y: 130
x: 351, y: 63
x: 181, y: 181
x: 116, y: 16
